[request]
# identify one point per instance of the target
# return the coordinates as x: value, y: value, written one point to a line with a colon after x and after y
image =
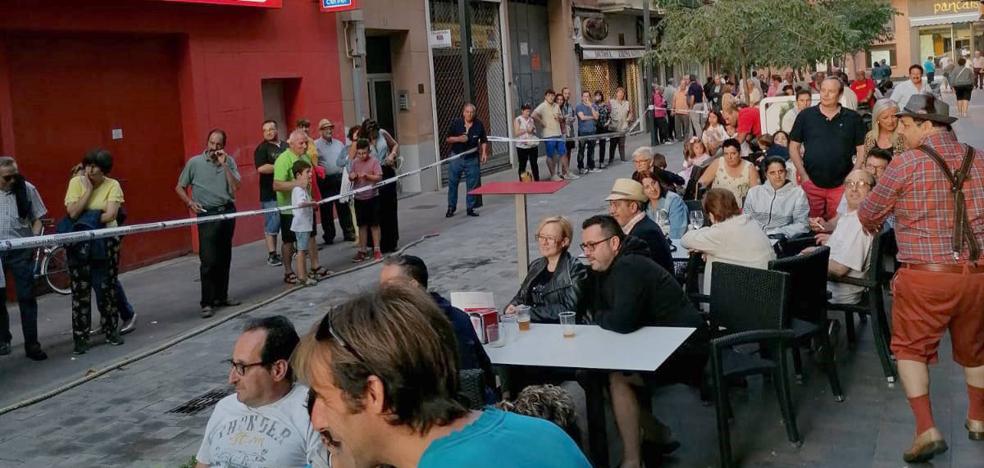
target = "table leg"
x: 522, y: 237
x: 594, y: 384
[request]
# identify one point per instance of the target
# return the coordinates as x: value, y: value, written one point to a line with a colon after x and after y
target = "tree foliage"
x: 742, y: 34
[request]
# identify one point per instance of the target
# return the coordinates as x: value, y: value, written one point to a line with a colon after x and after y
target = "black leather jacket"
x: 562, y: 293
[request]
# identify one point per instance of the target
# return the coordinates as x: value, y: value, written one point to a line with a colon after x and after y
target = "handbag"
x: 346, y: 186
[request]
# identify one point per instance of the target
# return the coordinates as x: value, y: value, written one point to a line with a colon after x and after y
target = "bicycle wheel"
x: 54, y: 267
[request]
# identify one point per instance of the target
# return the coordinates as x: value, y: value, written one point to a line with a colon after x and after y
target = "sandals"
x: 290, y: 278
x: 319, y: 273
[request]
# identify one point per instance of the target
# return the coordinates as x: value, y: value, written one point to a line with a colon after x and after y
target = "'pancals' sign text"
x: 955, y: 7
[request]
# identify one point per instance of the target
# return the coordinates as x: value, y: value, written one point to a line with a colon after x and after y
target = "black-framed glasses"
x: 241, y: 368
x: 590, y: 246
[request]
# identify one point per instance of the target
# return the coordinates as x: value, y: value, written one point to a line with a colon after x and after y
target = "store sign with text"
x: 943, y: 7
x: 603, y: 54
x: 246, y: 3
x: 333, y: 6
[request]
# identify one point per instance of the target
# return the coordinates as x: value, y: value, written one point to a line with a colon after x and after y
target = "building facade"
x: 147, y: 80
x: 930, y: 28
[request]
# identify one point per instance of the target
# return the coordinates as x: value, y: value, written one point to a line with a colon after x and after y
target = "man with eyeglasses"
x: 384, y: 391
x: 627, y: 204
x: 21, y: 210
x: 875, y: 164
x: 266, y: 422
x: 330, y: 151
x: 626, y: 291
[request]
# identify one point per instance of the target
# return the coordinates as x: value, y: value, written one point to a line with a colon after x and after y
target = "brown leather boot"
x: 925, y: 447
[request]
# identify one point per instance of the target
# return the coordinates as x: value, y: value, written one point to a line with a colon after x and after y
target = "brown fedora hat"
x: 927, y: 107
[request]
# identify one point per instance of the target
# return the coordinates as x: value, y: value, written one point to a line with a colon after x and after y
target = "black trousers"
x: 80, y: 266
x: 331, y: 186
x: 590, y: 146
x: 20, y: 263
x: 389, y: 222
x: 215, y: 254
x: 662, y: 130
x: 528, y: 155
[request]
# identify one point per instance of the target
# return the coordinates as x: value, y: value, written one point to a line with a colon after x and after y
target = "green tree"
x: 743, y: 34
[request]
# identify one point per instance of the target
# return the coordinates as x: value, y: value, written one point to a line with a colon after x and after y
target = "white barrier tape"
x: 599, y: 136
x: 672, y: 109
x: 94, y: 234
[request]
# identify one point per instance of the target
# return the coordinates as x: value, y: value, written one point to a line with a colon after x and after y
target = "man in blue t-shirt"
x: 381, y: 368
x: 466, y: 134
x: 587, y: 118
x: 698, y: 106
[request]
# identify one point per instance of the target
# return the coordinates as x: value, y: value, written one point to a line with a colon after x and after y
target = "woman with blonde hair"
x: 884, y: 131
x: 621, y: 118
x: 554, y: 282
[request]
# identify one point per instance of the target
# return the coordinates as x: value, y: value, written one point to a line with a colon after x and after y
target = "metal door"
x: 530, y: 51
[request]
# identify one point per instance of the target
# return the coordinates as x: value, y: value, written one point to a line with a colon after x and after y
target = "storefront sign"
x: 602, y: 54
x: 440, y: 39
x: 249, y: 3
x: 333, y: 6
x: 940, y: 8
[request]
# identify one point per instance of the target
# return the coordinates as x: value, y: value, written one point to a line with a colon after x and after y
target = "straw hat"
x: 627, y: 189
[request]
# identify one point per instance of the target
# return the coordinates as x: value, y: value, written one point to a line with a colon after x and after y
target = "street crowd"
x: 379, y: 380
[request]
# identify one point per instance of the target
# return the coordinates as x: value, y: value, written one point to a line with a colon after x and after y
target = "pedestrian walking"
x: 929, y: 66
x: 826, y: 143
x: 263, y: 158
x: 978, y: 65
x: 659, y: 116
x: 935, y: 189
x: 214, y: 179
x: 93, y: 201
x: 697, y: 102
x: 21, y: 210
x: 468, y: 133
x: 330, y: 149
x: 524, y: 127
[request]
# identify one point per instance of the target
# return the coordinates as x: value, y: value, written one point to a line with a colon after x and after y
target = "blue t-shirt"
x: 497, y: 439
x: 929, y: 66
x: 697, y: 91
x: 476, y: 136
x: 589, y: 126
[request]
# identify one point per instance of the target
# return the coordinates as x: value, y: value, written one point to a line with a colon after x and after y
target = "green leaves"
x: 741, y: 34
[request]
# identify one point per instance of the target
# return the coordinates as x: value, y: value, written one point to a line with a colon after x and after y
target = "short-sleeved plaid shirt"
x: 917, y: 191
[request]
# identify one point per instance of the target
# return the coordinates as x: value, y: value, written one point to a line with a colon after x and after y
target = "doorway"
x: 279, y: 96
x: 530, y: 51
x: 379, y: 78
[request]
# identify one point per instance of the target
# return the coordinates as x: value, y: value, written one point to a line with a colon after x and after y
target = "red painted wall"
x: 217, y: 55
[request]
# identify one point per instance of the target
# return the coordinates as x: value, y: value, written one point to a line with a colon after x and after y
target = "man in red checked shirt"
x: 940, y: 233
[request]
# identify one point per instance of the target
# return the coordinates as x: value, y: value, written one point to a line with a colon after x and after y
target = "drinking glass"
x: 696, y: 219
x: 509, y: 329
x: 495, y: 336
x: 567, y: 323
x: 523, y: 317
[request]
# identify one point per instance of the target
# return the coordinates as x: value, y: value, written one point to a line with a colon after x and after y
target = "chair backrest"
x: 471, y: 385
x: 745, y: 298
x: 808, y: 278
x: 876, y: 267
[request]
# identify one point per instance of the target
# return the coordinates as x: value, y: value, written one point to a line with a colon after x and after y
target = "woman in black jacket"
x: 553, y: 284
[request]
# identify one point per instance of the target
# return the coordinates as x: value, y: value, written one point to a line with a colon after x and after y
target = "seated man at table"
x: 410, y: 269
x: 627, y: 205
x: 849, y: 244
x: 626, y: 291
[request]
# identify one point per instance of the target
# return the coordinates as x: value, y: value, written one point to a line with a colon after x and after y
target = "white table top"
x: 680, y: 254
x: 591, y: 348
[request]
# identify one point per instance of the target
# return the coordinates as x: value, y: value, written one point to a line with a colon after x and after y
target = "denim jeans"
x: 20, y: 265
x: 588, y: 145
x: 472, y: 172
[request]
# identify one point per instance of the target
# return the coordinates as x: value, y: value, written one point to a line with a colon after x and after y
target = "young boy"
x: 303, y: 221
x: 366, y: 171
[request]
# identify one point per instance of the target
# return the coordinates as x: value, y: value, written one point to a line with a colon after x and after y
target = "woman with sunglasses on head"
x: 553, y: 284
x: 385, y: 148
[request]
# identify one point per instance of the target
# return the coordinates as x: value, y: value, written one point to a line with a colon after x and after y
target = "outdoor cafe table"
x: 520, y: 190
x: 593, y: 348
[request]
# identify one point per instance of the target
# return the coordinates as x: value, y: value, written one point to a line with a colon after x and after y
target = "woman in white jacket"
x: 779, y: 206
x: 732, y: 237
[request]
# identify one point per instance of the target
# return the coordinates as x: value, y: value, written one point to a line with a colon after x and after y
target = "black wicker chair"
x: 471, y: 383
x: 808, y: 276
x: 750, y: 306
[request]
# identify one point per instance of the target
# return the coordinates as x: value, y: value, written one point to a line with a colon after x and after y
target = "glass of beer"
x: 567, y: 323
x: 523, y: 317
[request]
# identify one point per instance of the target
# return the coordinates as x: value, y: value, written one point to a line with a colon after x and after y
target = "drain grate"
x: 199, y: 403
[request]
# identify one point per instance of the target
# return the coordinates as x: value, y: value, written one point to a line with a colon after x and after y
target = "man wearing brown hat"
x: 936, y: 191
x: 627, y: 204
x: 332, y: 157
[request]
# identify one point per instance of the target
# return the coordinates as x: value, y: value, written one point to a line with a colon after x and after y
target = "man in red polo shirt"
x: 940, y: 233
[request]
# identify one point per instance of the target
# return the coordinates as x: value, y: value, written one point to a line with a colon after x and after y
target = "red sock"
x: 924, y: 413
x: 976, y: 397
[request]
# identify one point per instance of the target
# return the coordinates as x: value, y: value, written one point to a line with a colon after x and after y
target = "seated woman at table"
x: 779, y: 206
x: 665, y: 207
x: 732, y: 237
x: 731, y: 172
x: 553, y: 284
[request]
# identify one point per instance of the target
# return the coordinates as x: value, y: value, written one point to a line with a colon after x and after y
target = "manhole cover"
x: 199, y: 403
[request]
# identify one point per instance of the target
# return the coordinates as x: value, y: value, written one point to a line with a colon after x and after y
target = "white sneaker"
x: 668, y: 143
x: 595, y: 170
x: 571, y: 177
x: 129, y: 325
x: 556, y: 178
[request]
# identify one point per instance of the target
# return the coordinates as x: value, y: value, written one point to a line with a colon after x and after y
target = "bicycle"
x: 51, y: 264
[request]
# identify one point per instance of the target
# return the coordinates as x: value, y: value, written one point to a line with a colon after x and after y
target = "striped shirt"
x: 917, y: 191
x: 11, y: 224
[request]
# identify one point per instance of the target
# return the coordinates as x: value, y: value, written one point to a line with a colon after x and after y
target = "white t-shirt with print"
x: 849, y: 246
x: 303, y: 217
x: 278, y: 435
